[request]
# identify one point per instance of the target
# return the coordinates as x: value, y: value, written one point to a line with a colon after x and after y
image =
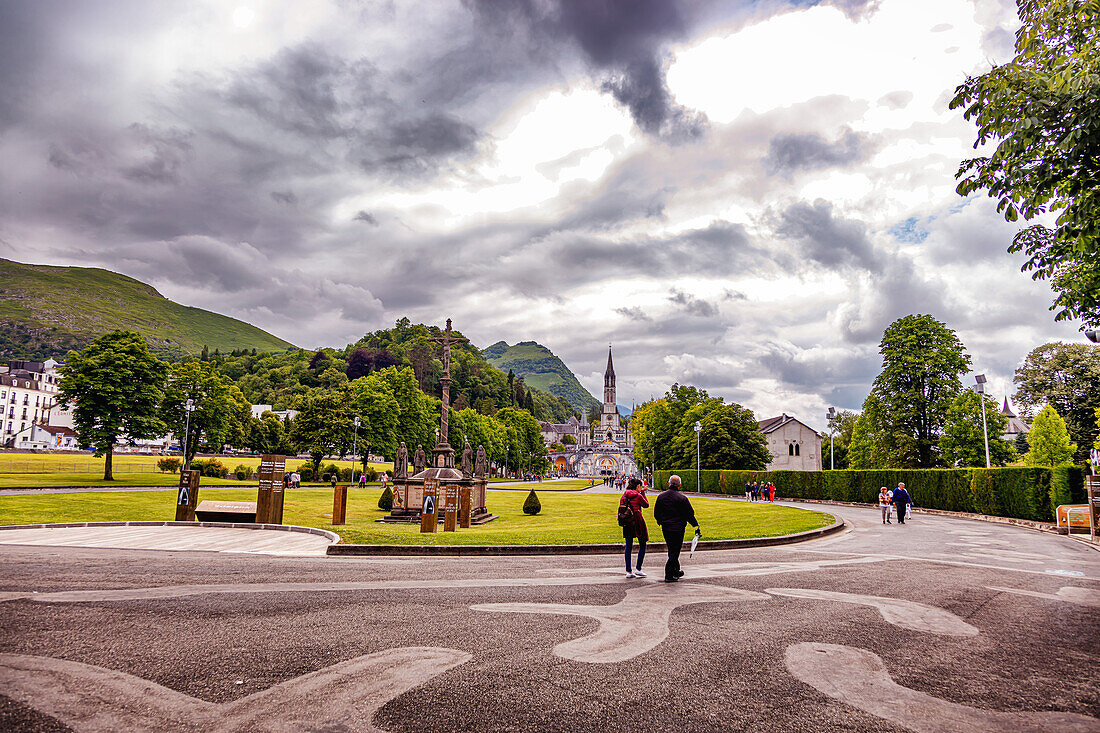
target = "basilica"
x: 602, y: 449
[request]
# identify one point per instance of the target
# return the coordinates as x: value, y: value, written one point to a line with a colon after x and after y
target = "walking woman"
x: 634, y: 497
x: 884, y: 503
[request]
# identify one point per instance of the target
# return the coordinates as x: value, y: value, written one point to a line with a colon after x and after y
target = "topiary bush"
x: 210, y: 467
x: 532, y: 505
x: 242, y: 472
x: 169, y: 465
x: 385, y: 502
x: 306, y: 473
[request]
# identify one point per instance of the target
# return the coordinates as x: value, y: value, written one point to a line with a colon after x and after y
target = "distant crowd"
x: 763, y: 491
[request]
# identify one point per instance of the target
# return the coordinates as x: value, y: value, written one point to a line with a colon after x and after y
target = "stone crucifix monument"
x: 470, y: 483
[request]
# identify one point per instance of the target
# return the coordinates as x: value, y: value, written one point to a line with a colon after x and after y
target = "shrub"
x: 532, y: 505
x: 345, y: 475
x: 370, y: 473
x: 327, y: 472
x: 243, y: 472
x: 385, y: 502
x: 169, y: 465
x: 210, y: 467
x: 306, y: 472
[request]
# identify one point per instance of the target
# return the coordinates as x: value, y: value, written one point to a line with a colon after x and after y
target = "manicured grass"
x: 565, y: 518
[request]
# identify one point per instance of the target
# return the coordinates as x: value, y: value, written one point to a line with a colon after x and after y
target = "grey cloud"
x: 165, y: 154
x: 634, y: 313
x: 367, y: 217
x: 809, y: 151
x: 828, y: 240
x: 896, y: 100
x: 284, y: 197
x: 692, y: 305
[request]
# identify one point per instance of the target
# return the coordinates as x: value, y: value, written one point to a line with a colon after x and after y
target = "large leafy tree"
x: 1049, y: 441
x: 872, y: 445
x: 922, y: 361
x: 522, y: 437
x: 220, y: 409
x: 323, y: 425
x: 731, y: 438
x: 1043, y: 110
x: 963, y: 440
x: 841, y: 429
x: 115, y: 386
x: 1067, y: 377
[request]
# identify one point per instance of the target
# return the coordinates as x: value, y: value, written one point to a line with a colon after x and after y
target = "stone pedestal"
x: 411, y: 492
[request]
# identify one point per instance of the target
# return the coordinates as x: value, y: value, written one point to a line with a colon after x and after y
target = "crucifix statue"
x: 443, y: 449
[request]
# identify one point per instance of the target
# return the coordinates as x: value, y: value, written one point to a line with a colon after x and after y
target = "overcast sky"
x: 738, y: 195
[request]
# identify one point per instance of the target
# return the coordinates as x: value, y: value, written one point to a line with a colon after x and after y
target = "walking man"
x: 673, y: 512
x: 901, y: 500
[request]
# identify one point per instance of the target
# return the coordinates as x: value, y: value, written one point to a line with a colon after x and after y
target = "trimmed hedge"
x: 1021, y: 492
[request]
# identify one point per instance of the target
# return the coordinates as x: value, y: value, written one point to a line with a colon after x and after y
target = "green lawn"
x: 565, y: 518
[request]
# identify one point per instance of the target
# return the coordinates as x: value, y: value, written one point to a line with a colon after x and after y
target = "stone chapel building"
x: 794, y: 445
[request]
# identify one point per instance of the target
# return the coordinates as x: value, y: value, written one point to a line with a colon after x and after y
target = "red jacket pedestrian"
x: 634, y: 497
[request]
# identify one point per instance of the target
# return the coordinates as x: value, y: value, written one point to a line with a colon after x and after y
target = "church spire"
x: 609, y: 380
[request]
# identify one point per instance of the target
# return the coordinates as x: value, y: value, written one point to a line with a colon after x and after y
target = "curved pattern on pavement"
x: 632, y: 626
x: 906, y: 614
x: 173, y: 537
x: 344, y: 696
x: 859, y: 678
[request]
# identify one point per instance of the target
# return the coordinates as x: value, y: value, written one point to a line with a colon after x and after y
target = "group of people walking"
x: 764, y: 491
x: 672, y: 511
x: 889, y: 500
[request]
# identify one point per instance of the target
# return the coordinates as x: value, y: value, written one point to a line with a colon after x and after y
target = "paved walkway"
x: 195, y: 538
x: 941, y: 624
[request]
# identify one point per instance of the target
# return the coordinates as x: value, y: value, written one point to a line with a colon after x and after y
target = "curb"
x: 331, y: 536
x: 601, y: 549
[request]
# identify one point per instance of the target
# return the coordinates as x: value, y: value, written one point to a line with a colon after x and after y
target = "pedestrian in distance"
x: 884, y: 504
x: 901, y: 501
x: 635, y: 500
x: 673, y: 512
x: 748, y: 490
x: 771, y: 492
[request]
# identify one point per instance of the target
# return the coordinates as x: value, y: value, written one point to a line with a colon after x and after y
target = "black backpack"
x: 626, y: 515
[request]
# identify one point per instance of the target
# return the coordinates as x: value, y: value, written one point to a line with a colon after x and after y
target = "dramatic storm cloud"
x: 738, y: 195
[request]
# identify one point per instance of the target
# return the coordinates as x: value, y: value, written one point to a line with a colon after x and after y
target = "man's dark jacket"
x: 673, y: 511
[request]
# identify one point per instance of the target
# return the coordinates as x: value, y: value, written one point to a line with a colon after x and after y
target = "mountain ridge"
x: 540, y: 368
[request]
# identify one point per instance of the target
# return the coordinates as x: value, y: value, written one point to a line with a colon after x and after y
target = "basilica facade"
x: 605, y: 448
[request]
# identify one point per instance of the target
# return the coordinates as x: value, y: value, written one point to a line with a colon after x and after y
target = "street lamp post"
x: 189, y: 407
x: 979, y: 387
x: 830, y: 416
x: 698, y: 430
x: 506, y: 449
x: 354, y: 454
x: 653, y: 465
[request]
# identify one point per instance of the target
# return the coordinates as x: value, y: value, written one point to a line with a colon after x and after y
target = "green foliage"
x: 115, y: 387
x: 963, y: 440
x: 1041, y: 108
x: 221, y: 413
x: 872, y: 445
x: 1049, y: 440
x: 211, y: 467
x: 531, y: 504
x: 1067, y: 377
x: 168, y: 465
x: 664, y: 431
x: 305, y: 472
x: 1025, y: 493
x: 842, y: 428
x: 385, y: 501
x: 242, y: 471
x: 522, y: 435
x: 922, y: 361
x: 49, y: 310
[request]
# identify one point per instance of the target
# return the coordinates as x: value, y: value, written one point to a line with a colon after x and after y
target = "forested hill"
x: 541, y: 369
x: 46, y: 311
x: 279, y: 379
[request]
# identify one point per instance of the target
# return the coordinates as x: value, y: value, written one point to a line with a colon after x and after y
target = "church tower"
x: 610, y: 431
x: 609, y: 381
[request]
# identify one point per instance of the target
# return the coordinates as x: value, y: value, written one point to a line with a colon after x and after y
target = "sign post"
x: 464, y: 507
x: 429, y: 509
x: 188, y: 496
x: 450, y: 507
x: 1094, y: 506
x: 269, y: 498
x: 339, y: 504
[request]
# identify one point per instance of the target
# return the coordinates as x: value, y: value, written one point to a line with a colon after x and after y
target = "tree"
x: 115, y: 387
x: 922, y: 361
x: 963, y: 440
x: 1042, y: 108
x: 322, y: 426
x: 872, y: 446
x: 1049, y: 440
x: 731, y: 439
x: 220, y: 408
x: 1067, y: 377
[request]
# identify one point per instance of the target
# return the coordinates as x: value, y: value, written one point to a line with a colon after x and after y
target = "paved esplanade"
x: 939, y: 625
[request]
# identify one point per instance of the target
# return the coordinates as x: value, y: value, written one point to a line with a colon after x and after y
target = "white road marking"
x: 1071, y: 594
x: 859, y: 678
x: 344, y: 696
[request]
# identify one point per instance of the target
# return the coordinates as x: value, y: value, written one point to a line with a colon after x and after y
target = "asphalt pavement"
x: 941, y: 624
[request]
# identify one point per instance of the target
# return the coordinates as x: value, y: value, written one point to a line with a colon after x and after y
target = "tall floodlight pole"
x: 979, y: 387
x: 354, y: 447
x: 698, y: 430
x: 189, y: 406
x: 830, y: 416
x: 506, y: 449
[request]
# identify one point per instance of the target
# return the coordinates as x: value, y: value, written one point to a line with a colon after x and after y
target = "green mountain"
x: 46, y: 311
x: 540, y: 369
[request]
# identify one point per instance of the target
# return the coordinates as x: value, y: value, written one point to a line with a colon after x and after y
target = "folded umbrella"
x: 695, y: 542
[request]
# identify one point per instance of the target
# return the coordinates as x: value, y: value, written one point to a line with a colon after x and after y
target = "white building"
x: 794, y: 445
x: 46, y: 437
x: 28, y: 390
x: 259, y: 410
x: 1016, y: 425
